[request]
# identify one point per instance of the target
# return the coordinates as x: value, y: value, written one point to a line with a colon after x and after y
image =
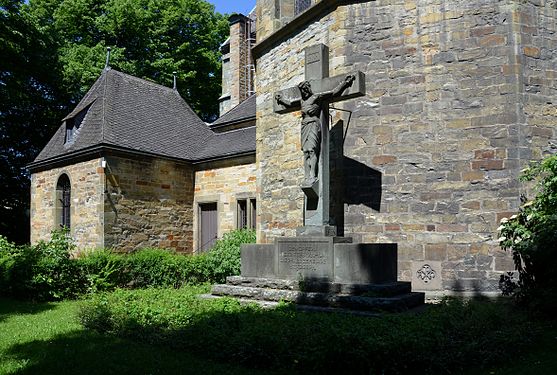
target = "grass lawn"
x: 540, y: 359
x: 46, y: 338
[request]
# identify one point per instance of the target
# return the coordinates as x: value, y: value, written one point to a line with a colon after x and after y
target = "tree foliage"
x: 149, y: 39
x: 53, y: 50
x: 531, y: 235
x: 31, y: 103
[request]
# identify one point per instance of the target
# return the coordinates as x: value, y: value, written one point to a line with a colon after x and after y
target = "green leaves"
x: 54, y: 50
x: 149, y: 39
x: 531, y: 235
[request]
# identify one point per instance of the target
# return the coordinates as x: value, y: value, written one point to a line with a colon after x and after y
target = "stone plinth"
x: 323, y: 258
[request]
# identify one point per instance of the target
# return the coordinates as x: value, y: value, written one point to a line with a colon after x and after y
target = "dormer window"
x: 73, y: 124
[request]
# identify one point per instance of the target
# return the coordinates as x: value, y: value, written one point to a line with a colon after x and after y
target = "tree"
x: 149, y: 39
x: 52, y: 52
x: 30, y: 108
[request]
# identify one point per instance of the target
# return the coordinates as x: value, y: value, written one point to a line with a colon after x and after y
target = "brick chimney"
x: 237, y: 63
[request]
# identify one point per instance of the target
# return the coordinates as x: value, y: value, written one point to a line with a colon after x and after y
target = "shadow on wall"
x: 352, y: 182
x: 473, y: 288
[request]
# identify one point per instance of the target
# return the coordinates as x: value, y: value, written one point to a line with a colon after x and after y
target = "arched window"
x: 63, y: 201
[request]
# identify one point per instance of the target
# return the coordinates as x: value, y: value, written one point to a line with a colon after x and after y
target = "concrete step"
x: 398, y: 303
x: 368, y: 290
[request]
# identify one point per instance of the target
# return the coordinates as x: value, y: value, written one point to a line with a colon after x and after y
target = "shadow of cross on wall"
x: 352, y: 181
x: 317, y: 193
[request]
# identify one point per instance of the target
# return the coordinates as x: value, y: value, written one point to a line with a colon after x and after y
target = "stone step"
x: 269, y: 305
x: 368, y: 290
x: 398, y: 303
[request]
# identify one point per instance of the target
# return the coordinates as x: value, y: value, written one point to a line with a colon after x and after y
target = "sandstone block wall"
x: 148, y: 203
x: 460, y: 96
x: 86, y: 212
x: 224, y: 184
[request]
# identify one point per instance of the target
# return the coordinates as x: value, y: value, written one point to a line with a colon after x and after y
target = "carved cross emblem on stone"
x: 313, y: 97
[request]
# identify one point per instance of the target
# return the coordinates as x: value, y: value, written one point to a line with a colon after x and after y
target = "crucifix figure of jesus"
x: 311, y: 106
x: 313, y: 97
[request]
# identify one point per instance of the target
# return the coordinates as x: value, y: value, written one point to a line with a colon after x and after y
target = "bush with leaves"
x: 41, y: 272
x: 531, y: 235
x: 47, y: 271
x: 224, y: 258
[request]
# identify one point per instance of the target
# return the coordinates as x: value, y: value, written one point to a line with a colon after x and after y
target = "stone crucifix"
x: 313, y: 97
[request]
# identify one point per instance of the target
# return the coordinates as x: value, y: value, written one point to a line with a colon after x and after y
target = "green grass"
x: 541, y: 358
x: 447, y: 338
x: 46, y: 338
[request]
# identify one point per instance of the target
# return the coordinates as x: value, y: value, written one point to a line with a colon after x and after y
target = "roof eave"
x: 232, y: 122
x: 101, y: 150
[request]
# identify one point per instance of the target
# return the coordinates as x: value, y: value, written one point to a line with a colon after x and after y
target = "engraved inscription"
x: 313, y: 57
x: 306, y: 258
x: 302, y: 257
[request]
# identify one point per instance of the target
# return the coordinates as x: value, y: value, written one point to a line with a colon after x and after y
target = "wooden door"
x: 208, y: 229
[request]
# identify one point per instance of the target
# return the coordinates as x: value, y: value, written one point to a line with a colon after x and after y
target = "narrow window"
x: 246, y: 214
x: 242, y: 222
x: 302, y: 5
x: 63, y: 201
x: 253, y: 213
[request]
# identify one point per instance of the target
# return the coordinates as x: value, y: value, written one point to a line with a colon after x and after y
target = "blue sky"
x: 233, y: 6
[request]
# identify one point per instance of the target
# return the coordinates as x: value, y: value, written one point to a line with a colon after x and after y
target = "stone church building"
x: 460, y: 96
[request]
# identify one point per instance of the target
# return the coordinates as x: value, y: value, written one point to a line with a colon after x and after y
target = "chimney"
x: 237, y: 63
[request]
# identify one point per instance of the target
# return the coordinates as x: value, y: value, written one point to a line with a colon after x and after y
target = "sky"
x: 233, y: 6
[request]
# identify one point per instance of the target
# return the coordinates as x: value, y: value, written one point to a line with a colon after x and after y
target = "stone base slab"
x: 397, y: 303
x: 377, y: 290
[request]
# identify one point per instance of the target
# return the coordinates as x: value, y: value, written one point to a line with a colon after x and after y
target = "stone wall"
x: 536, y: 69
x: 458, y: 100
x: 224, y: 183
x: 148, y: 204
x: 86, y: 212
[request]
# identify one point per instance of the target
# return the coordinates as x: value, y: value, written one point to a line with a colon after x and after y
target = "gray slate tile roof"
x: 127, y: 112
x: 242, y: 112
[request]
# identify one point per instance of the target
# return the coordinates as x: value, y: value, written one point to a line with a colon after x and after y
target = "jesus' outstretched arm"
x: 347, y: 82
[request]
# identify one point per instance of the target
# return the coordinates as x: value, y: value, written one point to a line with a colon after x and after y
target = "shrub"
x: 41, y: 272
x: 154, y: 268
x: 531, y: 235
x: 103, y: 270
x: 444, y: 339
x: 8, y: 252
x: 46, y: 271
x: 224, y: 258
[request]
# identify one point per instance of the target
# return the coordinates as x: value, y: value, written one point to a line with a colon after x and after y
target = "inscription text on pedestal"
x: 306, y: 258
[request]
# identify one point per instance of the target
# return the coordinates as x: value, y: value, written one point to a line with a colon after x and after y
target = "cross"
x: 324, y: 90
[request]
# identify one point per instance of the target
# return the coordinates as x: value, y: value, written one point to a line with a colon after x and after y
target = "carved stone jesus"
x: 311, y: 107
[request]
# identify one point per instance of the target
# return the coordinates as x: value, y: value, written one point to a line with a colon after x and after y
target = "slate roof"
x: 242, y: 112
x: 127, y: 112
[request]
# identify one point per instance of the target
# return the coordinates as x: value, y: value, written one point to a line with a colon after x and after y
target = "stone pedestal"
x: 321, y: 258
x: 329, y: 273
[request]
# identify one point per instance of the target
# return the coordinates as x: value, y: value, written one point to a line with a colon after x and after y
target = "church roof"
x: 242, y: 112
x: 128, y: 113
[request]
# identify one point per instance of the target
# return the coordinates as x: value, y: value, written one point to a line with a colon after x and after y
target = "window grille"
x: 246, y: 214
x: 302, y: 5
x: 242, y: 214
x: 63, y: 194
